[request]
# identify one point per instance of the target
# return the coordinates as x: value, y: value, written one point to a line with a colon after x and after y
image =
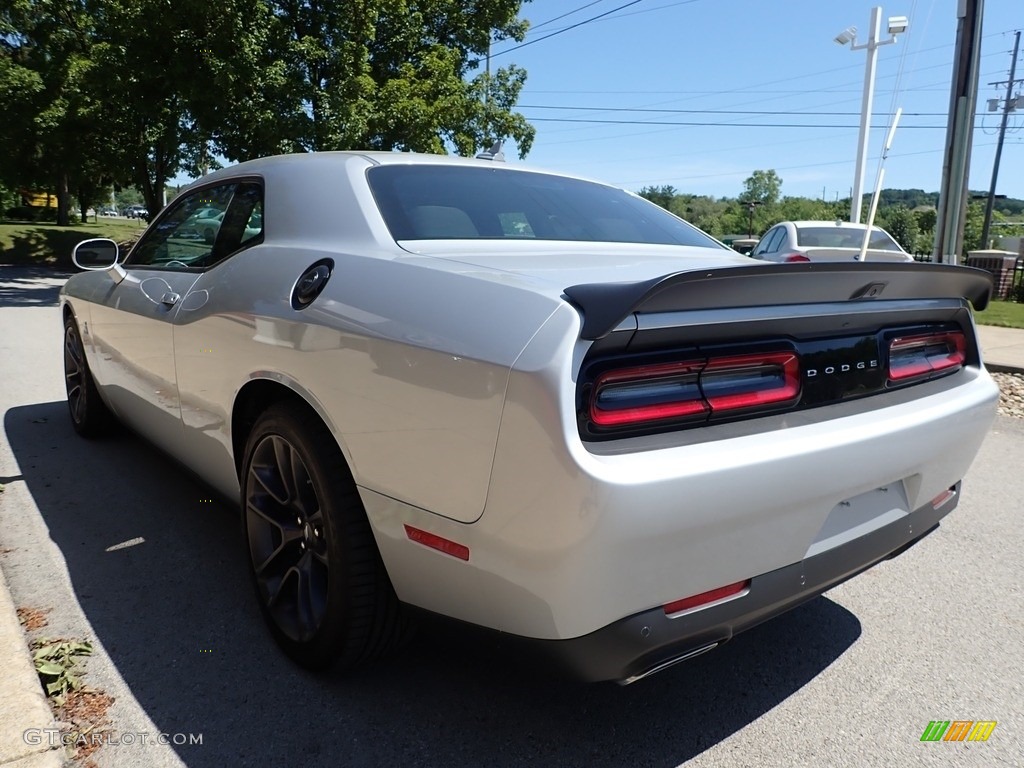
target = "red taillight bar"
x: 705, y: 599
x: 795, y: 257
x: 920, y: 355
x: 721, y: 370
x: 694, y: 389
x: 683, y: 376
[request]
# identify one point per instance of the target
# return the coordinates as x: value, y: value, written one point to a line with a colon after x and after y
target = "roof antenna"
x: 494, y: 153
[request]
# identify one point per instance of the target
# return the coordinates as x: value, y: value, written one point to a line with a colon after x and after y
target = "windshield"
x: 844, y: 237
x: 437, y: 202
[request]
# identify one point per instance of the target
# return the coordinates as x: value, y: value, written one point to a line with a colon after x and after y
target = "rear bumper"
x: 647, y: 642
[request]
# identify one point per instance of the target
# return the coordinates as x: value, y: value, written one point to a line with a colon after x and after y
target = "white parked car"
x: 795, y: 241
x: 534, y: 403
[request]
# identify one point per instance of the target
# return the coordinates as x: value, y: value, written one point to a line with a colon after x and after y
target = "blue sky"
x: 715, y: 57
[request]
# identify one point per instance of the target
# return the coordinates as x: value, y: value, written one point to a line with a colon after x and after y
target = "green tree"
x: 805, y: 209
x: 364, y: 74
x: 901, y: 223
x: 132, y: 91
x: 973, y: 223
x: 702, y: 211
x: 663, y: 196
x: 763, y: 187
x: 45, y: 67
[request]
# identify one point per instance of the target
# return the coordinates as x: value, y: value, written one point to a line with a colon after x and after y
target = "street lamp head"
x: 898, y: 25
x: 846, y: 36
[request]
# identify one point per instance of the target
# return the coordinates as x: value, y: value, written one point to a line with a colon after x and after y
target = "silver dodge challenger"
x: 533, y: 403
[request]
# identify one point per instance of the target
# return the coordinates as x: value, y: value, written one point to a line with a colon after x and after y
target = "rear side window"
x: 436, y: 202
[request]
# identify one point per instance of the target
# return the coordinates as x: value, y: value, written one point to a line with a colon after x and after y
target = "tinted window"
x: 202, y: 228
x: 844, y: 237
x: 445, y: 203
x: 762, y: 244
x: 784, y: 240
x: 773, y: 244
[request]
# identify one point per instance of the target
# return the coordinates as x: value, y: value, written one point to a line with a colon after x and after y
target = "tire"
x: 89, y: 414
x: 315, y: 567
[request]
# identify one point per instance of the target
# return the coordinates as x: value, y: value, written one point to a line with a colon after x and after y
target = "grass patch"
x: 31, y: 243
x: 1008, y: 314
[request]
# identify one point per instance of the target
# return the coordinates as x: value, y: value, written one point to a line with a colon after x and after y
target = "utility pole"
x: 963, y: 94
x: 1009, y: 104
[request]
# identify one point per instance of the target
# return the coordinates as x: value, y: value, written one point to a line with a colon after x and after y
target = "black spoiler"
x: 605, y: 305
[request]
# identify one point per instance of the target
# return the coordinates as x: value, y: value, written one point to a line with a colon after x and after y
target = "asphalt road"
x: 850, y: 679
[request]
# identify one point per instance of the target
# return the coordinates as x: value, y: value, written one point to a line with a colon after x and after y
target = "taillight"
x: 647, y: 393
x: 748, y: 381
x: 694, y: 389
x: 926, y: 354
x: 795, y: 257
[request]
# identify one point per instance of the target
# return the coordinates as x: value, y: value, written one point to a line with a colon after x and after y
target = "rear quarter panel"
x: 405, y: 358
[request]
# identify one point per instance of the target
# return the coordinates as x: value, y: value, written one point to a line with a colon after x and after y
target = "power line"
x: 716, y: 125
x: 720, y: 111
x: 565, y: 29
x: 567, y: 13
x: 678, y: 179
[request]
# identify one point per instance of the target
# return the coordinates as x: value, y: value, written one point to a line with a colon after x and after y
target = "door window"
x: 202, y: 228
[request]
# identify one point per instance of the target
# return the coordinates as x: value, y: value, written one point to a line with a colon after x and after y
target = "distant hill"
x: 912, y: 198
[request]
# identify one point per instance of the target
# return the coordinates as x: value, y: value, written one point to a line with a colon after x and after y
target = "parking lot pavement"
x: 124, y: 548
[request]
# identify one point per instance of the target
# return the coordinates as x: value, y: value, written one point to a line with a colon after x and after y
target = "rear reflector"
x: 943, y: 498
x: 704, y: 599
x: 926, y: 354
x: 434, y: 541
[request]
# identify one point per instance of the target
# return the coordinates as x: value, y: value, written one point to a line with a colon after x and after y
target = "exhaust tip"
x: 670, y: 662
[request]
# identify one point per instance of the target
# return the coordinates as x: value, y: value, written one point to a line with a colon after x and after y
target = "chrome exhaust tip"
x: 670, y: 662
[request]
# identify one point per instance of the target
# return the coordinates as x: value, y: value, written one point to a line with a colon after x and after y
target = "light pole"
x: 751, y: 204
x: 897, y: 25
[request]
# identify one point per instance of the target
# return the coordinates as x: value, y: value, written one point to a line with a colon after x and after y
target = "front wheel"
x: 89, y: 414
x: 319, y: 578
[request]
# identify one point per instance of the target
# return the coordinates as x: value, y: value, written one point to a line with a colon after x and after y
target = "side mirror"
x: 99, y: 253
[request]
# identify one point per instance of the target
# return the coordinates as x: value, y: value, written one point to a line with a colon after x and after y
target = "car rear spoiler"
x: 605, y: 305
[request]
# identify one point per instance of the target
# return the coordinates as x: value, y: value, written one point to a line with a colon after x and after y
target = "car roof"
x: 832, y: 223
x: 320, y: 159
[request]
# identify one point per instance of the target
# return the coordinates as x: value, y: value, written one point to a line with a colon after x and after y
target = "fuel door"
x: 311, y: 283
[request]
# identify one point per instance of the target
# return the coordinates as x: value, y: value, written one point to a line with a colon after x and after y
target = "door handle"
x: 170, y: 299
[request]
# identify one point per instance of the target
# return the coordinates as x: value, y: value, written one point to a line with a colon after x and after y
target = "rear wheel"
x: 89, y: 414
x: 319, y: 579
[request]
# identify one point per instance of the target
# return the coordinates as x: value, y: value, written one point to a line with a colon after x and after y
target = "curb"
x: 1000, y: 368
x: 22, y: 704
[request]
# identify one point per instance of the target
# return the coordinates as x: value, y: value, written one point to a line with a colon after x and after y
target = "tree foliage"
x: 899, y: 222
x: 662, y: 196
x: 133, y: 91
x: 45, y: 67
x: 763, y: 187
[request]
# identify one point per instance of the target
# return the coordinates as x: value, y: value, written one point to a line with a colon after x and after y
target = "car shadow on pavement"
x: 175, y: 613
x: 31, y: 286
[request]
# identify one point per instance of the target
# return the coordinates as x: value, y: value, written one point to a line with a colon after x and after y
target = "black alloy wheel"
x: 89, y: 414
x: 318, y: 576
